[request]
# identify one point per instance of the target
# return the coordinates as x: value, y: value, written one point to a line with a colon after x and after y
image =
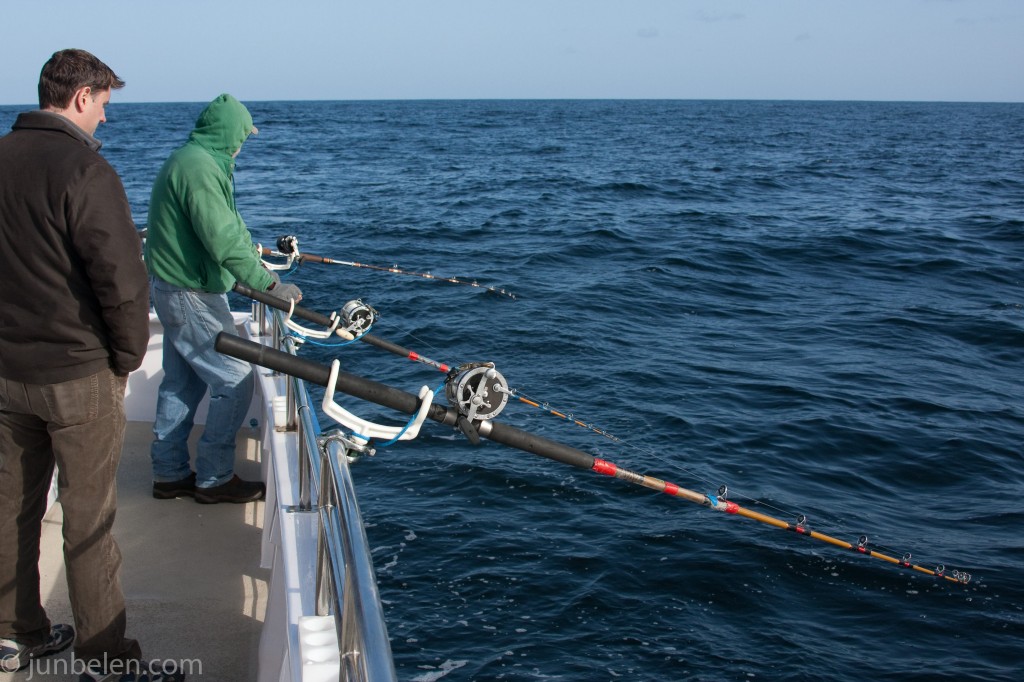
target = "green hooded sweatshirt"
x: 196, y: 238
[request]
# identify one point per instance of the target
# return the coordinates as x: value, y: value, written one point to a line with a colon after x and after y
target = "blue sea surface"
x: 817, y: 304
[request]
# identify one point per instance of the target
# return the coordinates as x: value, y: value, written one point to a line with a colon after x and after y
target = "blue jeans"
x: 191, y: 320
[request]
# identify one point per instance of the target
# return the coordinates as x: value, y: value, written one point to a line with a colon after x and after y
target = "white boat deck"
x: 191, y: 573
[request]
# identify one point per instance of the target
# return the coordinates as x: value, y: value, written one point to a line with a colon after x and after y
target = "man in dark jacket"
x: 74, y: 323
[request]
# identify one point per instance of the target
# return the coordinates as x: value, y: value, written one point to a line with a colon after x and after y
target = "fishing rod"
x: 348, y: 312
x: 288, y: 247
x: 471, y: 383
x: 476, y: 386
x: 397, y: 399
x: 482, y: 389
x: 330, y: 323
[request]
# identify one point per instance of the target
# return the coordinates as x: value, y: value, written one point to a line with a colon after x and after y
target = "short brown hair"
x: 67, y: 71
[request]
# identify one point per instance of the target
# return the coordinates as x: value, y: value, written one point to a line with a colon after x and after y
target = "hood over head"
x: 223, y: 125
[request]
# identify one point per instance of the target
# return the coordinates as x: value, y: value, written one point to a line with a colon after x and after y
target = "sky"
x: 192, y: 50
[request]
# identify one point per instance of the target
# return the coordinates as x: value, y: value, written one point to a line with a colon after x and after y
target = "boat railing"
x: 344, y: 588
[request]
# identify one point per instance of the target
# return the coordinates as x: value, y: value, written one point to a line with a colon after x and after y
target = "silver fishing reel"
x: 357, y: 317
x: 288, y: 244
x: 478, y: 393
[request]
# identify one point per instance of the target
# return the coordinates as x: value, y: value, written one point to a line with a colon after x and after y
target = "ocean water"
x: 817, y: 304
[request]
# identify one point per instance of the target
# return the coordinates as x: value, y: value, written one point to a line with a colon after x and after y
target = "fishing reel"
x: 288, y: 247
x: 477, y: 391
x: 288, y: 244
x: 357, y: 317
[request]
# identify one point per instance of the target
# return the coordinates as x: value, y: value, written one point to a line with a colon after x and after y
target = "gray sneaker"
x: 15, y: 656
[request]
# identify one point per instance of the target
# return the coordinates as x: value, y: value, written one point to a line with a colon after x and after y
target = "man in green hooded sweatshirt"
x: 197, y: 247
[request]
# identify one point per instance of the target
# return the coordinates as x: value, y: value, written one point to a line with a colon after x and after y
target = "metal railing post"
x: 259, y: 316
x: 305, y: 467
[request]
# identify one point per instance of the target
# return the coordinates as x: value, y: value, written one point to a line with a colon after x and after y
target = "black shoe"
x: 186, y: 487
x: 235, y: 490
x: 15, y: 656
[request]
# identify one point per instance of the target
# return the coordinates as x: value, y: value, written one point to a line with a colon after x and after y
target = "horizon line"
x: 566, y: 99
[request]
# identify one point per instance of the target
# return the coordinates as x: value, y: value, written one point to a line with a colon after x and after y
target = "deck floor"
x: 191, y: 577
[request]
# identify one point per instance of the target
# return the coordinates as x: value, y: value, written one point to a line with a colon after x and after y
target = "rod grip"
x: 274, y: 302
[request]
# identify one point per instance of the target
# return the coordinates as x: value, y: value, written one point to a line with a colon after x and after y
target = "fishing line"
x: 301, y: 339
x: 401, y: 433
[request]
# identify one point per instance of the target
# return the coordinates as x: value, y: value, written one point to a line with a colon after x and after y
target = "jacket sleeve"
x: 223, y: 232
x: 105, y: 239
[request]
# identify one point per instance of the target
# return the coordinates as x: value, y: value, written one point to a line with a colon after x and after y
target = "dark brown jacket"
x: 74, y: 295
